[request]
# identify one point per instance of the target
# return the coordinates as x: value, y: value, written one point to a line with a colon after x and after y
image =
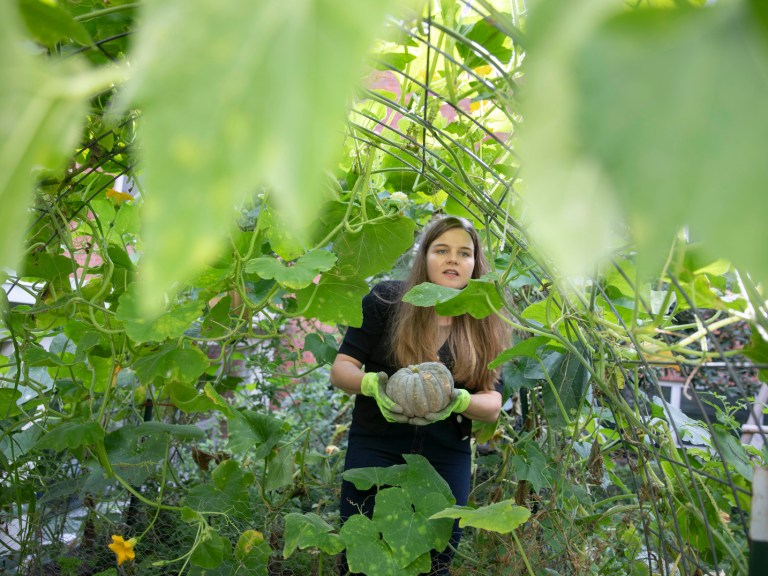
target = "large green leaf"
x: 322, y: 346
x: 8, y: 399
x: 280, y: 466
x: 478, y: 299
x: 532, y: 465
x: 309, y: 531
x: 429, y: 294
x: 96, y: 373
x: 38, y: 356
x: 568, y: 377
x: 528, y: 347
x: 255, y: 434
x: 414, y: 492
x: 187, y: 398
x: 335, y: 299
x: 296, y: 276
x: 758, y: 353
x: 703, y: 136
x: 135, y: 453
x: 365, y: 478
x: 47, y: 266
x: 227, y: 493
x: 181, y: 431
x: 50, y: 23
x: 211, y: 550
x: 71, y: 435
x: 407, y: 531
x: 373, y: 249
x: 169, y: 324
x: 245, y: 70
x: 491, y: 41
x: 367, y: 553
x: 422, y: 480
x: 184, y: 363
x: 502, y: 517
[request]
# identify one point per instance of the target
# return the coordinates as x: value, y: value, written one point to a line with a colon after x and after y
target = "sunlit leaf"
x: 491, y: 41
x: 502, y: 517
x: 620, y: 113
x: 571, y: 214
x: 187, y: 398
x: 50, y: 23
x: 296, y: 276
x: 184, y: 363
x: 389, y: 60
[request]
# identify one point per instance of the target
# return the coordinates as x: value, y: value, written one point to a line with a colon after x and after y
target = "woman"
x: 394, y: 335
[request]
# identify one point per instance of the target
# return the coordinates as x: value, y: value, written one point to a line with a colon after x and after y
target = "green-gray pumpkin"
x: 421, y: 389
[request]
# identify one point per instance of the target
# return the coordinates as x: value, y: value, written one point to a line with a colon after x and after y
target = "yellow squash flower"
x: 123, y: 548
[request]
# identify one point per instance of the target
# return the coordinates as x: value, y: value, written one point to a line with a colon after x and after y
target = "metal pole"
x: 758, y: 529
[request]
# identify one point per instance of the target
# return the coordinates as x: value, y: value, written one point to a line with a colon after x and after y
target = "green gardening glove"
x: 459, y: 402
x: 374, y: 385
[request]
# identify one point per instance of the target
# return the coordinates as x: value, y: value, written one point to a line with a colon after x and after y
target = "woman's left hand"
x: 459, y: 402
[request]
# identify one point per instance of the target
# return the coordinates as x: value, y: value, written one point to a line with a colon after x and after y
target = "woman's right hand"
x: 374, y: 385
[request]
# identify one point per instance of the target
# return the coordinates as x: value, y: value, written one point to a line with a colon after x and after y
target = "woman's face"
x: 451, y: 259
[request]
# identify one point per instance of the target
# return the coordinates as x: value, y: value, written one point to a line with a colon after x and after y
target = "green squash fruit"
x: 421, y: 389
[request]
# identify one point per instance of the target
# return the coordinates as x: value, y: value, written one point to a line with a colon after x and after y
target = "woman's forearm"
x: 484, y: 406
x: 346, y: 374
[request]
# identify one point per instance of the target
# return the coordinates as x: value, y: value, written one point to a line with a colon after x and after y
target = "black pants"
x: 439, y: 444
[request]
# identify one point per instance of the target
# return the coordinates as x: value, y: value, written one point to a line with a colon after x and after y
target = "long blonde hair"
x: 473, y: 343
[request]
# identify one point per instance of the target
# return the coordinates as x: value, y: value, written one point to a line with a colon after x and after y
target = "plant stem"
x: 523, y: 554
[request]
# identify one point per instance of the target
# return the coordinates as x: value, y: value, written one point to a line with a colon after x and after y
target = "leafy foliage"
x: 205, y: 430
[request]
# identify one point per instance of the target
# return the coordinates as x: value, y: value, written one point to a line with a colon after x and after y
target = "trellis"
x: 680, y: 504
x: 434, y: 155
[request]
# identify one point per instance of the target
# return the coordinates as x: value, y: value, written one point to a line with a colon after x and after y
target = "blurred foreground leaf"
x: 42, y: 109
x: 245, y: 94
x: 648, y: 117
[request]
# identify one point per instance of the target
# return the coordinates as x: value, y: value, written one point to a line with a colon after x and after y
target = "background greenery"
x: 202, y: 219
